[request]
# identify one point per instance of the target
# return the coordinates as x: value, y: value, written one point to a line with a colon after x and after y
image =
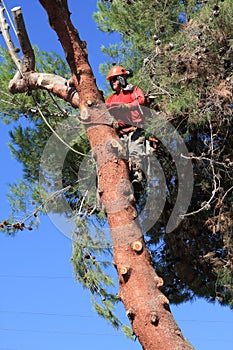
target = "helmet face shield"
x: 113, y: 79
x: 118, y: 73
x: 122, y: 80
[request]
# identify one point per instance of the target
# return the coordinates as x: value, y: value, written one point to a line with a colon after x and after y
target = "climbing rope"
x: 55, y: 133
x: 9, y: 17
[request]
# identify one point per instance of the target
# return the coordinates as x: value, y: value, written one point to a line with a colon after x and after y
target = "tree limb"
x: 26, y: 79
x: 28, y: 53
x: 146, y: 306
x: 51, y: 82
x: 76, y: 55
x: 6, y: 36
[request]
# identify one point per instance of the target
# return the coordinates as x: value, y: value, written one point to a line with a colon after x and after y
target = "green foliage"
x: 20, y: 197
x: 11, y: 107
x: 29, y: 133
x: 91, y: 255
x: 29, y: 136
x: 224, y: 287
x: 181, y: 53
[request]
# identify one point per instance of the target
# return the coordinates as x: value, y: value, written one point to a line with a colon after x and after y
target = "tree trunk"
x: 147, y: 308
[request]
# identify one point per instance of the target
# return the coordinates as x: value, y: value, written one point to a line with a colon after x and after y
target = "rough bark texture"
x: 147, y: 308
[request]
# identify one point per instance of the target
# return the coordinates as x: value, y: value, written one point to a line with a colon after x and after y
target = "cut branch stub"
x: 131, y: 313
x: 124, y: 270
x: 154, y: 318
x: 84, y: 115
x: 164, y: 300
x: 158, y: 281
x: 137, y: 246
x: 124, y: 274
x: 116, y: 145
x: 90, y: 103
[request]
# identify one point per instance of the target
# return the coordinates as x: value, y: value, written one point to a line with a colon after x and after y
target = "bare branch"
x: 51, y: 82
x: 25, y: 78
x: 201, y: 158
x: 215, y: 179
x: 226, y: 193
x: 6, y: 36
x: 28, y: 53
x: 76, y: 54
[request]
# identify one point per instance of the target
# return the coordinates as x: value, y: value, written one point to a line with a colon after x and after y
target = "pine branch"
x: 26, y: 79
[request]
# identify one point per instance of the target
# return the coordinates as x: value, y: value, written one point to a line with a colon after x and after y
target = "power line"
x: 36, y: 276
x: 206, y: 321
x: 93, y: 316
x: 46, y: 314
x: 61, y: 332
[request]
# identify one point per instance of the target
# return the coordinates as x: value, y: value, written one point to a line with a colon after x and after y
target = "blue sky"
x: 41, y: 304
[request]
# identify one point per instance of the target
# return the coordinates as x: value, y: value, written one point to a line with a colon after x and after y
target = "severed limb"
x: 53, y: 83
x: 28, y: 53
x: 26, y: 79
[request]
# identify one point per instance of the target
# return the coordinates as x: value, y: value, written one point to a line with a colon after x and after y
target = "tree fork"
x: 147, y: 308
x: 26, y: 79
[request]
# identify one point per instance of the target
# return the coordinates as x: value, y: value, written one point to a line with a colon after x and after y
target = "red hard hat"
x: 115, y: 71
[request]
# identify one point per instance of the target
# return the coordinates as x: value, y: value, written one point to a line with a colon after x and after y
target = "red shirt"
x: 127, y: 116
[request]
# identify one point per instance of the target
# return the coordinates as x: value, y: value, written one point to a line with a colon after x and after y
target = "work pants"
x: 134, y: 142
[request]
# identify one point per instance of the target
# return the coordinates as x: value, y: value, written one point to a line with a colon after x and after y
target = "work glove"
x: 123, y: 106
x: 119, y: 106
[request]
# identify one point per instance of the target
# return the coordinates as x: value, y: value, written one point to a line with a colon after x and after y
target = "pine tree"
x: 181, y: 54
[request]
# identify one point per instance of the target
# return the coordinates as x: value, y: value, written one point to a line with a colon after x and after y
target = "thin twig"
x: 200, y: 158
x: 206, y: 205
x: 57, y: 193
x: 225, y: 194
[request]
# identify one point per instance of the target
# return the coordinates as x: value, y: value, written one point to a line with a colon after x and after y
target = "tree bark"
x: 146, y: 306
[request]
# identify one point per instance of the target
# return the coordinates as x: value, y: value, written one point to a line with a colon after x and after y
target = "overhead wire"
x: 47, y: 314
x: 34, y: 276
x: 96, y: 316
x: 61, y: 332
x: 88, y: 334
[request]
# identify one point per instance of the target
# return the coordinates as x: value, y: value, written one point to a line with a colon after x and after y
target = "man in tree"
x: 124, y: 105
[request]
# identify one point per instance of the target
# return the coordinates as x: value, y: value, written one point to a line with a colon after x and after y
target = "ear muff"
x: 129, y: 73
